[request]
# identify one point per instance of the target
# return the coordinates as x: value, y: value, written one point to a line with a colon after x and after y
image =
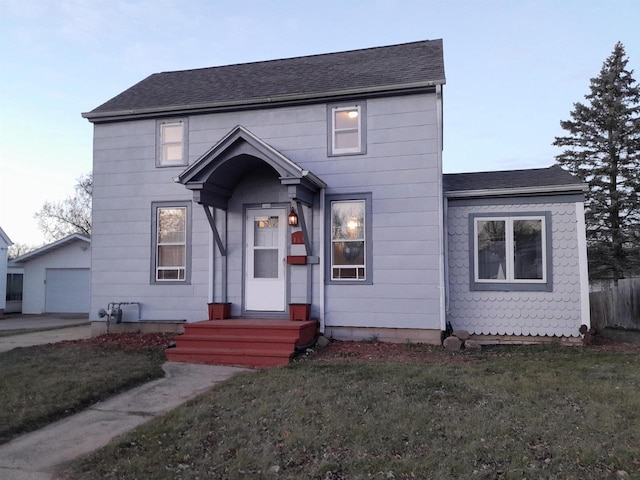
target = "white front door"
x: 264, y: 288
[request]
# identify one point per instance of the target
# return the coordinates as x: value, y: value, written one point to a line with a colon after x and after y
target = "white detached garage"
x: 57, y: 277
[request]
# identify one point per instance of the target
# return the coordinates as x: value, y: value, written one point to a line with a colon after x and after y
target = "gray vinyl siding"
x: 400, y: 169
x: 516, y: 312
x: 402, y: 173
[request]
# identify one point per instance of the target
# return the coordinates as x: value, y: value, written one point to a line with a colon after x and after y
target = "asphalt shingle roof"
x: 553, y: 176
x: 407, y: 65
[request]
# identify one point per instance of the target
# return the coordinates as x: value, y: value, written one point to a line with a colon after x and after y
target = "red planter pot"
x: 219, y: 311
x: 299, y: 311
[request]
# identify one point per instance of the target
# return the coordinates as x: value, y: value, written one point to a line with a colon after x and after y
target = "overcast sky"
x: 514, y: 70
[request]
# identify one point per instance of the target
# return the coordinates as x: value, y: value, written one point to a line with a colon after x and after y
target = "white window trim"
x: 160, y: 158
x: 342, y: 240
x: 509, y: 250
x: 155, y: 268
x: 335, y: 130
x: 361, y: 149
x: 367, y: 235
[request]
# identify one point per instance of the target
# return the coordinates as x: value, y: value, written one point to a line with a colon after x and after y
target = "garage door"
x: 67, y: 290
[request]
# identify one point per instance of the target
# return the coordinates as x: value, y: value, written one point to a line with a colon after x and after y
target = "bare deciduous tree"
x: 72, y: 215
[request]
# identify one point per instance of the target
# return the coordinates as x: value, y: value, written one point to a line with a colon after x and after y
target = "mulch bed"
x: 341, y: 350
x: 124, y: 341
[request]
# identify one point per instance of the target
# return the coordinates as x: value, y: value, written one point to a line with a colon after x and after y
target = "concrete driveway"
x: 59, y: 328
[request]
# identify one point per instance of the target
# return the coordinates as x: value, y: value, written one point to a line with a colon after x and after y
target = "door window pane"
x: 265, y: 263
x: 265, y: 231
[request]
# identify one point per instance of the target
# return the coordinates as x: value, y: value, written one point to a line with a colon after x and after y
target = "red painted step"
x: 243, y: 342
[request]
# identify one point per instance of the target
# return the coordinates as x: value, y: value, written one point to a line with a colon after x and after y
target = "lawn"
x: 41, y: 384
x: 505, y: 413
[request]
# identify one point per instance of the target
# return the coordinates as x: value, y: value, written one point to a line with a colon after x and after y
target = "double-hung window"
x: 511, y: 252
x: 350, y: 239
x: 171, y: 243
x: 347, y: 129
x: 172, y: 145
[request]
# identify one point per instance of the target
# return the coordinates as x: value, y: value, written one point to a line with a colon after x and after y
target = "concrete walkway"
x: 35, y: 455
x: 15, y: 321
x: 55, y: 328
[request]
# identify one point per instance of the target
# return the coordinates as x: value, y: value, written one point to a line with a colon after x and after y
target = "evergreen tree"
x: 603, y: 149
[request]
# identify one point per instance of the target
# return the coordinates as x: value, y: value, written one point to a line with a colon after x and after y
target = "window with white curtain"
x: 171, y: 242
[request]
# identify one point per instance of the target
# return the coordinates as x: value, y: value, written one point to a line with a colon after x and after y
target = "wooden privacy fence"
x: 616, y: 306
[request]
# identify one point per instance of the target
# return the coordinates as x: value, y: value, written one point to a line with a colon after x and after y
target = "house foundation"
x: 142, y: 326
x: 391, y: 335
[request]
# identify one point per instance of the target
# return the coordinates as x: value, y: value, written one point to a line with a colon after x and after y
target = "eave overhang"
x: 579, y: 188
x: 262, y: 102
x: 51, y: 247
x: 213, y: 177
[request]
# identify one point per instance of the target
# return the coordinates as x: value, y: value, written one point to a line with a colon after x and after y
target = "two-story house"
x: 312, y: 188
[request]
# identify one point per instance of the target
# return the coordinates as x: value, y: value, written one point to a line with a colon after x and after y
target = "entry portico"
x: 255, y: 186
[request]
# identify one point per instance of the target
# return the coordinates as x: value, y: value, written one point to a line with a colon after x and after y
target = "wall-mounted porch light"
x: 293, y: 218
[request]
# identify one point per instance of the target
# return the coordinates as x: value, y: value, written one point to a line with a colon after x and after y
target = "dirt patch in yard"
x: 125, y: 341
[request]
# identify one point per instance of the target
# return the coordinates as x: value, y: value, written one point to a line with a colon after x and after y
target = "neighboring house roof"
x: 512, y: 182
x: 404, y: 67
x: 50, y: 247
x: 5, y: 238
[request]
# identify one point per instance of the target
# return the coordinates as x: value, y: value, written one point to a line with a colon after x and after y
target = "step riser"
x: 218, y: 359
x: 239, y: 332
x: 235, y: 344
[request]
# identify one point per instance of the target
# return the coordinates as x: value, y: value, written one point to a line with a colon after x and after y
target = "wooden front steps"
x: 243, y: 342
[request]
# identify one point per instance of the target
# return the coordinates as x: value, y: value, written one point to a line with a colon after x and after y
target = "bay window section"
x: 511, y: 252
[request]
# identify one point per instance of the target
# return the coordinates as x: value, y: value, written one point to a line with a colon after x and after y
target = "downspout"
x: 585, y: 313
x: 322, y: 260
x: 446, y: 255
x: 224, y: 259
x: 442, y: 219
x: 212, y: 263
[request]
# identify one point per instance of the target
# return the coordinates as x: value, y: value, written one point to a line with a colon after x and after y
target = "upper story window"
x: 511, y: 252
x: 347, y: 129
x: 171, y: 143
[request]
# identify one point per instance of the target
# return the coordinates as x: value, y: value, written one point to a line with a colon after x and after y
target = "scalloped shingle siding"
x: 516, y: 313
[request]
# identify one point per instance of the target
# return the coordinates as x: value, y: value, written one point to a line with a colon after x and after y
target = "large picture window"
x: 171, y: 243
x: 172, y: 145
x: 349, y: 226
x: 511, y: 252
x: 347, y: 129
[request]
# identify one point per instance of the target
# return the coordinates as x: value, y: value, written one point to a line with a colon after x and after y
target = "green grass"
x: 511, y: 413
x: 41, y: 384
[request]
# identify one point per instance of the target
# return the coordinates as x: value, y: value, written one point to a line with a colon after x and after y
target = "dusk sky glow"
x: 513, y: 68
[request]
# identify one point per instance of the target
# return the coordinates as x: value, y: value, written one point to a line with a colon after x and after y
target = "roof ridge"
x: 297, y: 57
